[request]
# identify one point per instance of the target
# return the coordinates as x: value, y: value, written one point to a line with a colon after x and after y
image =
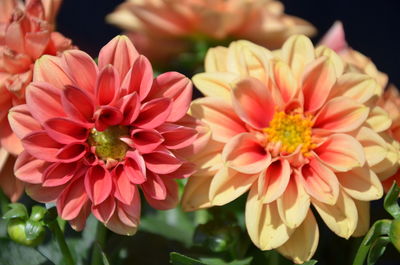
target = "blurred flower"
x: 294, y: 127
x: 26, y: 33
x: 93, y: 134
x: 162, y: 28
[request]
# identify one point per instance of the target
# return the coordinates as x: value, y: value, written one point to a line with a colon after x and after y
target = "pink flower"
x: 26, y: 33
x: 93, y: 134
x: 162, y: 28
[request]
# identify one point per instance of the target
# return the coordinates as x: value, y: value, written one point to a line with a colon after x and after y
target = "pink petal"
x: 341, y: 114
x: 49, y: 69
x: 318, y: 80
x: 178, y: 88
x: 130, y: 108
x: 58, y: 174
x: 66, y: 131
x: 71, y: 201
x: 36, y: 43
x: 124, y: 189
x: 107, y: 116
x: 253, y: 103
x: 14, y: 35
x: 245, y: 154
x: 154, y: 187
x: 171, y: 199
x: 320, y: 182
x: 135, y: 167
x: 341, y: 152
x: 44, y: 194
x: 105, y: 210
x: 72, y: 152
x: 98, y: 184
x: 9, y: 184
x: 42, y: 146
x: 154, y: 113
x: 176, y: 136
x: 107, y: 85
x: 184, y: 171
x: 126, y: 217
x: 77, y: 103
x: 120, y: 53
x: 161, y: 162
x: 21, y: 121
x: 81, y: 68
x: 334, y: 38
x: 79, y: 222
x: 139, y: 79
x: 146, y: 140
x: 274, y: 180
x: 44, y: 101
x: 29, y: 169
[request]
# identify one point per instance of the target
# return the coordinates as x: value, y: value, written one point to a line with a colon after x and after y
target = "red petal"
x: 71, y: 201
x: 162, y: 162
x: 146, y: 141
x: 58, y: 174
x: 77, y: 103
x: 154, y: 113
x: 98, y: 184
x: 176, y: 136
x: 105, y: 210
x: 41, y: 146
x: 107, y: 85
x: 154, y: 187
x: 66, y: 131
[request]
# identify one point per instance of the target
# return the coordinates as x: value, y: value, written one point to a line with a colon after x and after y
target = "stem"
x: 4, y: 201
x: 362, y: 253
x: 55, y: 228
x: 97, y: 258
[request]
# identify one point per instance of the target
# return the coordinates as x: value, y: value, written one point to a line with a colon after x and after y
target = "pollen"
x: 108, y: 144
x: 291, y: 131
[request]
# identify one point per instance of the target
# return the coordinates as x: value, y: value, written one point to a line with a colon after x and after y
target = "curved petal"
x: 341, y: 152
x: 308, y: 234
x: 77, y: 103
x: 135, y: 167
x: 363, y: 224
x: 341, y: 217
x: 124, y: 189
x: 66, y: 131
x: 107, y: 85
x: 125, y: 219
x: 375, y: 147
x: 72, y: 199
x: 245, y: 154
x: 59, y: 174
x: 216, y: 85
x: 285, y: 81
x: 21, y: 121
x: 43, y: 194
x: 379, y: 120
x: 71, y: 152
x: 220, y: 116
x: 161, y: 162
x: 253, y: 103
x: 228, y: 184
x: 176, y: 136
x: 29, y: 169
x: 49, y: 69
x: 146, y: 140
x: 195, y: 195
x: 98, y: 184
x: 335, y: 38
x: 216, y: 59
x: 154, y: 113
x: 130, y: 108
x: 41, y: 145
x: 154, y: 187
x: 107, y: 116
x: 104, y: 210
x: 171, y: 198
x: 9, y: 184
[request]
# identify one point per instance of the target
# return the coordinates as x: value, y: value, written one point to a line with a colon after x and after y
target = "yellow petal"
x: 303, y: 242
x: 363, y: 218
x: 216, y: 60
x: 195, y: 195
x: 285, y: 80
x: 375, y: 147
x: 333, y: 56
x: 217, y: 85
x: 379, y: 119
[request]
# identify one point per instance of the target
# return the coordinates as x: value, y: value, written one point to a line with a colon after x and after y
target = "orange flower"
x: 295, y: 128
x: 161, y: 28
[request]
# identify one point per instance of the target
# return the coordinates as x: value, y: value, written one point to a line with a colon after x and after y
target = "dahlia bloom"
x: 294, y: 128
x: 161, y: 28
x: 94, y: 134
x: 26, y: 33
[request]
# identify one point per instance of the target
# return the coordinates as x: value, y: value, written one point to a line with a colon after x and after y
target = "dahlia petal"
x: 135, y: 167
x: 317, y: 82
x: 337, y: 61
x: 228, y: 184
x: 375, y: 147
x: 308, y: 234
x: 36, y: 43
x: 77, y: 103
x: 21, y: 121
x: 14, y: 36
x: 41, y: 146
x: 66, y: 131
x: 104, y: 210
x: 274, y: 180
x: 245, y: 154
x: 184, y: 171
x: 81, y: 68
x: 79, y: 222
x: 293, y: 204
x: 320, y: 182
x: 171, y: 199
x: 98, y: 184
x: 119, y: 52
x: 126, y: 217
x: 379, y: 120
x: 58, y: 174
x: 215, y: 60
x: 146, y: 140
x: 176, y: 136
x: 107, y: 85
x: 139, y: 79
x: 49, y: 69
x: 218, y: 85
x: 341, y: 114
x: 363, y: 224
x: 44, y: 101
x: 176, y: 87
x: 361, y: 183
x: 8, y: 139
x: 29, y: 169
x: 107, y: 116
x: 265, y: 228
x: 124, y: 189
x: 335, y: 38
x: 71, y: 152
x: 72, y: 199
x: 9, y: 184
x: 220, y: 116
x: 153, y: 113
x: 43, y: 194
x: 130, y: 108
x: 298, y: 52
x: 154, y: 187
x: 161, y: 162
x: 341, y: 152
x: 253, y: 103
x: 285, y: 81
x: 195, y: 195
x: 341, y: 217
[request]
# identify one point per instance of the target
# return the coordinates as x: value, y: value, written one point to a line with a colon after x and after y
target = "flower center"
x: 291, y: 131
x: 108, y: 144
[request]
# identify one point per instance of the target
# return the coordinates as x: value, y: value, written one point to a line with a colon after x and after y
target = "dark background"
x: 372, y: 27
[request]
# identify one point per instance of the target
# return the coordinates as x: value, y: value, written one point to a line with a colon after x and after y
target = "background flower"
x: 94, y: 134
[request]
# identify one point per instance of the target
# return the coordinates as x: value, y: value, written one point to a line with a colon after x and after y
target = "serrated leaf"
x: 377, y: 249
x: 14, y: 254
x: 390, y: 203
x: 179, y: 259
x: 17, y: 210
x: 379, y: 228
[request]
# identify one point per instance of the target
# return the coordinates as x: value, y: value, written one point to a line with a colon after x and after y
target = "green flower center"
x: 108, y: 144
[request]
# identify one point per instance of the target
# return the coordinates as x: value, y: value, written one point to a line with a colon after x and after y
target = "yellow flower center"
x: 291, y: 131
x: 108, y: 144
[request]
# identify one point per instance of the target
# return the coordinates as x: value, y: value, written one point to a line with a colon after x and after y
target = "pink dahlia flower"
x: 161, y: 28
x: 26, y: 33
x: 94, y: 134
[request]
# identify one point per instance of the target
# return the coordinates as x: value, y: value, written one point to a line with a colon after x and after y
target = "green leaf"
x: 217, y: 261
x: 179, y: 259
x: 390, y: 203
x: 395, y: 234
x: 17, y: 210
x: 105, y: 260
x: 377, y: 249
x: 379, y: 228
x: 310, y: 262
x: 14, y: 254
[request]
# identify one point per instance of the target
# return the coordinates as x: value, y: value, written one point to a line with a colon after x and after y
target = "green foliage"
x: 377, y: 249
x: 390, y: 203
x: 14, y: 254
x: 179, y: 259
